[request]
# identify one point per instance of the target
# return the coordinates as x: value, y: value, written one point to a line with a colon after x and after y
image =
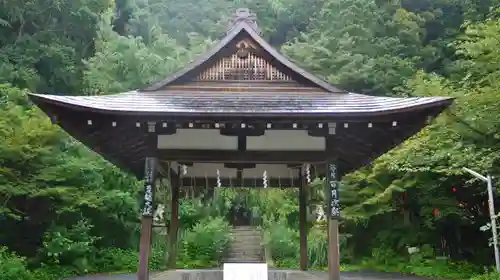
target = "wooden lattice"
x: 249, y: 68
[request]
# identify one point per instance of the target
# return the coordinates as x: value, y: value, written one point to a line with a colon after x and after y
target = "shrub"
x: 73, y: 246
x: 205, y: 244
x: 127, y: 260
x: 488, y: 276
x: 283, y: 244
x: 317, y: 247
x: 115, y: 259
x: 53, y: 272
x: 158, y: 254
x: 13, y: 266
x: 439, y: 269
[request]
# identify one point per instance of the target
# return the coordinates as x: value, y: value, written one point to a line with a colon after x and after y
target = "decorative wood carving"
x: 243, y: 65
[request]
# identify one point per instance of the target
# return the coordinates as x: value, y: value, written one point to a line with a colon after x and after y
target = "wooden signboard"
x: 148, y: 187
x: 333, y: 188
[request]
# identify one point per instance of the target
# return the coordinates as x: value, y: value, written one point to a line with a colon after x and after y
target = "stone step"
x: 236, y: 241
x: 253, y: 252
x: 246, y: 245
x: 243, y: 260
x: 253, y: 231
x: 217, y: 274
x: 245, y: 233
x: 243, y: 246
x: 239, y: 248
x: 246, y: 236
x: 245, y: 257
x: 247, y: 252
x: 244, y: 228
x: 236, y: 244
x: 247, y: 239
x: 256, y: 241
x: 242, y: 255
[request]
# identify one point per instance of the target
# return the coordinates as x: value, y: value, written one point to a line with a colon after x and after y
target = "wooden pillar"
x: 150, y: 169
x: 174, y: 221
x: 303, y: 221
x: 147, y: 219
x: 333, y: 220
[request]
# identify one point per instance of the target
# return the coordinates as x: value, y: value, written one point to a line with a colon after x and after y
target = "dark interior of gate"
x: 242, y: 115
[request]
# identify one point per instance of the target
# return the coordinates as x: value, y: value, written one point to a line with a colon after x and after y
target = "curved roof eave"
x: 77, y: 103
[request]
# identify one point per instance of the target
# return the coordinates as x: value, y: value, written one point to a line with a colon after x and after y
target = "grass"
x: 431, y: 270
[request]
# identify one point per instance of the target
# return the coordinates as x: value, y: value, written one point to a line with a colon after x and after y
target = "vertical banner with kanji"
x: 332, y: 185
x: 149, y: 174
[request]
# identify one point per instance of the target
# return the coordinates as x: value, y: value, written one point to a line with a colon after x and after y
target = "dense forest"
x: 66, y: 211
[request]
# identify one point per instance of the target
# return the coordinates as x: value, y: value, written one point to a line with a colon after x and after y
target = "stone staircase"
x: 246, y: 245
x: 217, y: 274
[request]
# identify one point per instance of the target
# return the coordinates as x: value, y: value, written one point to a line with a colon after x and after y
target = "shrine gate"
x: 240, y: 115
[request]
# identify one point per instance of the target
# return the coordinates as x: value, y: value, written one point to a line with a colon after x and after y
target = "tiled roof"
x: 242, y: 103
x: 322, y: 99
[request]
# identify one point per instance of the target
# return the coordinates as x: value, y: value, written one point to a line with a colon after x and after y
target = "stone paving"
x: 294, y: 275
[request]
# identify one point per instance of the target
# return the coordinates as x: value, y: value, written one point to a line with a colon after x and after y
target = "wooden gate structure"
x: 240, y: 115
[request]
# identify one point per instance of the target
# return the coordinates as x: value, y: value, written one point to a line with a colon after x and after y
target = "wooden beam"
x: 145, y: 247
x: 174, y: 221
x: 148, y: 207
x: 303, y: 221
x: 358, y: 144
x: 333, y: 220
x: 221, y: 87
x: 240, y: 165
x: 146, y: 220
x: 242, y: 156
x: 333, y: 250
x: 211, y: 182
